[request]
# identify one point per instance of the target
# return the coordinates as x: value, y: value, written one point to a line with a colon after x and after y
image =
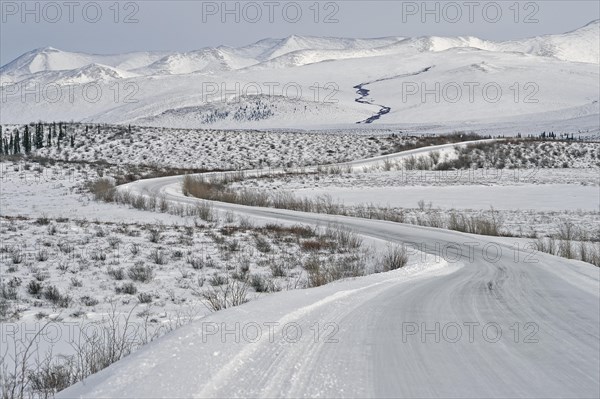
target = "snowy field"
x: 541, y: 189
x: 211, y: 149
x: 48, y: 208
x: 549, y: 197
x: 540, y: 183
x: 85, y: 266
x: 47, y: 204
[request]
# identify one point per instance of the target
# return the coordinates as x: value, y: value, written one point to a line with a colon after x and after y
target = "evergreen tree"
x: 17, y: 143
x: 1, y: 142
x: 29, y: 142
x: 39, y: 135
x: 72, y: 140
x: 26, y: 140
x: 60, y: 132
x: 10, y: 145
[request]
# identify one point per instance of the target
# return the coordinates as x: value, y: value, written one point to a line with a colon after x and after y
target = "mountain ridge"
x: 303, y: 82
x: 559, y: 46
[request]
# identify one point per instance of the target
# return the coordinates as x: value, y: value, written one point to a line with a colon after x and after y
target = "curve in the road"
x: 529, y: 327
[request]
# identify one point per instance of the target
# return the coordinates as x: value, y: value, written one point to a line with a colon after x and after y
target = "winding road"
x: 473, y: 317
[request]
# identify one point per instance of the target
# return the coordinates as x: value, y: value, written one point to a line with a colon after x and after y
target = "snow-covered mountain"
x: 308, y: 81
x: 49, y: 59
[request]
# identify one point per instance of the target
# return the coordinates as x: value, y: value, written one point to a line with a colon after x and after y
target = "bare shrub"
x: 41, y: 255
x: 43, y: 220
x: 317, y: 276
x: 261, y: 284
x: 591, y: 253
x: 435, y: 157
x: 113, y: 242
x: 233, y: 293
x: 65, y: 247
x: 151, y: 203
x: 16, y: 256
x: 217, y: 280
x: 98, y: 254
x: 134, y: 249
x: 41, y: 275
x: 140, y: 202
x: 345, y: 238
x: 547, y: 245
x: 323, y: 270
x: 144, y: 297
x: 229, y: 217
x: 52, y: 294
x: 8, y: 292
x: 485, y: 225
x: 315, y: 245
x: 76, y: 282
x: 196, y: 263
x: 51, y: 377
x: 205, y: 211
x: 567, y: 233
x: 154, y: 234
x: 163, y: 204
x: 394, y: 258
x: 103, y: 189
x: 52, y: 229
x: 158, y: 257
x: 126, y: 288
x: 245, y: 223
x: 117, y: 274
x: 140, y: 272
x: 410, y: 162
x: 87, y: 300
x: 34, y: 288
x: 279, y: 267
x: 262, y: 244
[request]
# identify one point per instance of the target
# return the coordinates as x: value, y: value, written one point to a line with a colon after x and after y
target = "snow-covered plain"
x: 215, y: 149
x: 538, y: 184
x: 390, y: 333
x: 369, y: 320
x: 550, y: 197
x: 55, y: 235
x: 530, y: 85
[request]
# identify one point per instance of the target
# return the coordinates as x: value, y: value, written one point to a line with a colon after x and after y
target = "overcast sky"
x: 101, y: 27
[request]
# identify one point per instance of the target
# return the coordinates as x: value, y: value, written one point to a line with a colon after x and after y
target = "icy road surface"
x: 492, y: 320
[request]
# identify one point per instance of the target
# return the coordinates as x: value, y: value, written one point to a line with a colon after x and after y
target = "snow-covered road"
x: 477, y: 317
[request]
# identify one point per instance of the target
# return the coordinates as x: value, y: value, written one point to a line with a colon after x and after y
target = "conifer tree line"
x: 32, y: 137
